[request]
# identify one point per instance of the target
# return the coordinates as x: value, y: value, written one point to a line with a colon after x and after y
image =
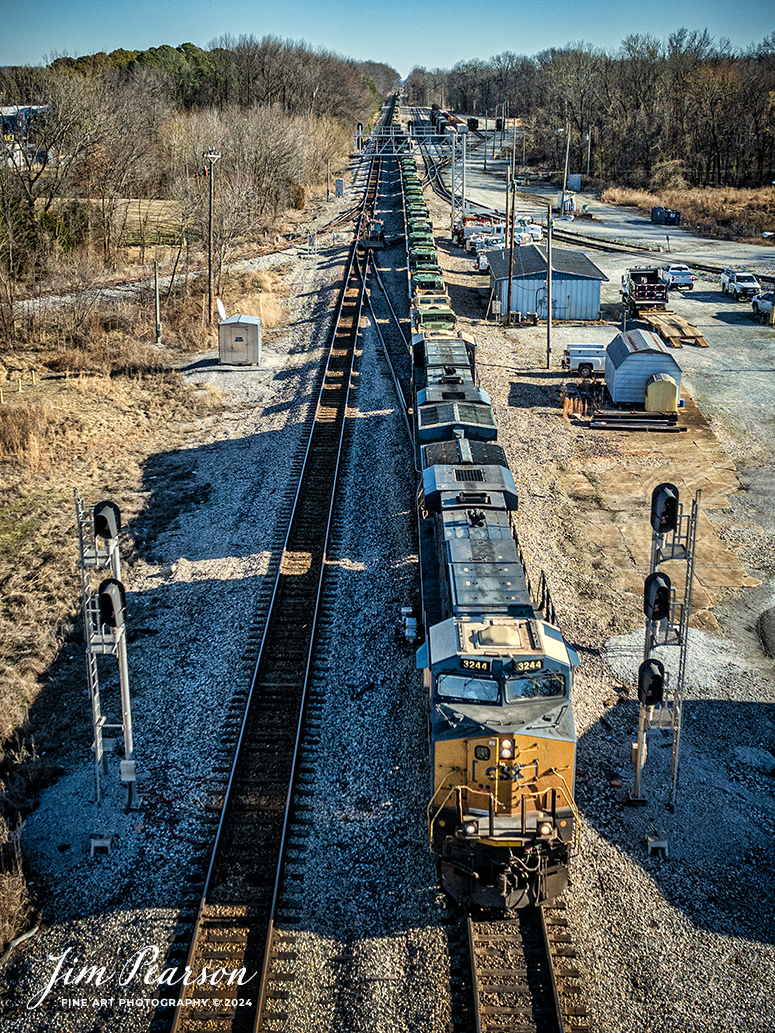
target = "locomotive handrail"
x: 572, y: 804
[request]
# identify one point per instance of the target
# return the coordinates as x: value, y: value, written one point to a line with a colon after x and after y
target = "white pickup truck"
x: 739, y: 283
x: 677, y: 275
x: 762, y: 304
x: 584, y: 359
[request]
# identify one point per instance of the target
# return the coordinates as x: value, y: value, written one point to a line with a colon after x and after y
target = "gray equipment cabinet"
x: 239, y: 341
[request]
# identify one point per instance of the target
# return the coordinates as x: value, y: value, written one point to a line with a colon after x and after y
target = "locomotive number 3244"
x: 475, y: 665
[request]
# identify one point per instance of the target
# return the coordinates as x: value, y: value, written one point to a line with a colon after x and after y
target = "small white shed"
x: 239, y: 340
x: 633, y: 360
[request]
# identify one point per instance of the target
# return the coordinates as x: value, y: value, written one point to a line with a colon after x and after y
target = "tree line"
x: 98, y: 133
x: 659, y: 113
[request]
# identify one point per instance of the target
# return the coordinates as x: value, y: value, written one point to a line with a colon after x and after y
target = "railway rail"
x: 241, y: 890
x: 523, y: 974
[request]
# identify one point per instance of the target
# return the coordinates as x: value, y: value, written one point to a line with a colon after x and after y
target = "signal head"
x: 107, y: 520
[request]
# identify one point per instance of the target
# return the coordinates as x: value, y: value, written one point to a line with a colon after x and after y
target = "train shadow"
x: 719, y: 866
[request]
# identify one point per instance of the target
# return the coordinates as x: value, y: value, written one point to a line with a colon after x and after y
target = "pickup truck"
x: 677, y: 275
x: 643, y: 288
x: 762, y: 304
x: 739, y: 283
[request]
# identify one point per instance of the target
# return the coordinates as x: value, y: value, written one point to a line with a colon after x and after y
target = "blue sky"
x: 399, y: 32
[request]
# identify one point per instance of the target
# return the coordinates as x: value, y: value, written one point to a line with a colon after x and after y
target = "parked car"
x: 762, y: 304
x: 677, y: 275
x: 739, y: 283
x: 665, y: 216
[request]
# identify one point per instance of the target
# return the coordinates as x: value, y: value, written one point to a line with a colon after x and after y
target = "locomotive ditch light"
x: 107, y: 520
x: 651, y: 682
x: 656, y: 596
x: 112, y: 603
x: 664, y: 509
x: 545, y: 828
x: 471, y: 828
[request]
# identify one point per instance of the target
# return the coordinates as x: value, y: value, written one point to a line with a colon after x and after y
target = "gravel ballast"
x: 671, y: 944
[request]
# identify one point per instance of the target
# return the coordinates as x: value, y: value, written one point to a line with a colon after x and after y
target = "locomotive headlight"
x: 545, y: 828
x: 507, y: 748
x: 471, y: 828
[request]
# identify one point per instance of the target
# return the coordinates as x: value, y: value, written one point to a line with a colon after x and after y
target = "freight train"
x: 502, y: 820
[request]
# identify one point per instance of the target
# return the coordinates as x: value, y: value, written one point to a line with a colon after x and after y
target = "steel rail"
x: 353, y: 330
x: 402, y: 398
x: 274, y: 657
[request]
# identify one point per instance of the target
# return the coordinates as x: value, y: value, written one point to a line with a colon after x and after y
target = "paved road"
x: 612, y: 223
x: 731, y: 381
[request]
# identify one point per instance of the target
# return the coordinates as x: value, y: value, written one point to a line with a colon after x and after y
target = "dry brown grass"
x: 22, y: 427
x: 730, y: 214
x: 15, y: 900
x: 260, y: 293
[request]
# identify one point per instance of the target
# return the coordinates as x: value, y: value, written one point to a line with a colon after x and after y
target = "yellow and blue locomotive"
x: 502, y: 819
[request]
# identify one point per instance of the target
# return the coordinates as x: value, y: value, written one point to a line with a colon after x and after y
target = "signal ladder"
x: 674, y: 537
x: 105, y: 632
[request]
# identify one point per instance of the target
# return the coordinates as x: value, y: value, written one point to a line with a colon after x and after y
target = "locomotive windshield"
x: 546, y: 683
x: 458, y: 686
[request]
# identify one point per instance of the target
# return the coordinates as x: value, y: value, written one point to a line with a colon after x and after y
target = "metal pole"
x: 514, y: 150
x: 465, y: 151
x: 156, y: 288
x: 640, y: 755
x: 453, y: 142
x: 328, y: 181
x: 210, y: 254
x: 548, y: 286
x: 484, y: 167
x: 508, y: 188
x: 511, y: 259
x: 211, y: 156
x: 589, y: 151
x: 565, y: 176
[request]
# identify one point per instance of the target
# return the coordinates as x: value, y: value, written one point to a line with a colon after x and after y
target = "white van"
x: 584, y: 359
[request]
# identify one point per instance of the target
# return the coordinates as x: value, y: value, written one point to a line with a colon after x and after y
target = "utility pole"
x: 210, y: 156
x: 511, y: 255
x: 548, y: 286
x: 589, y: 152
x: 508, y: 191
x: 484, y: 167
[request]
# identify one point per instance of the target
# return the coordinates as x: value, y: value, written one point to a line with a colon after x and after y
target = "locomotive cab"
x: 502, y: 816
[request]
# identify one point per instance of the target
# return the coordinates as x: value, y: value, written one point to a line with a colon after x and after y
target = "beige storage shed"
x: 239, y: 341
x: 661, y: 393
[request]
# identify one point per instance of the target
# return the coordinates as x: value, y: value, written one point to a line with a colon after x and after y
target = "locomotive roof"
x: 462, y: 450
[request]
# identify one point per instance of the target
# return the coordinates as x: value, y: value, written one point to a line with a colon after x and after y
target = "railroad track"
x: 255, y: 824
x: 523, y: 976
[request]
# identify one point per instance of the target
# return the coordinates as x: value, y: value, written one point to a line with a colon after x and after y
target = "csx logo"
x: 506, y: 773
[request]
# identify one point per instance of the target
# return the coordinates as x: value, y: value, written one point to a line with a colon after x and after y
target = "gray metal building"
x: 632, y: 360
x: 576, y: 282
x: 239, y: 340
